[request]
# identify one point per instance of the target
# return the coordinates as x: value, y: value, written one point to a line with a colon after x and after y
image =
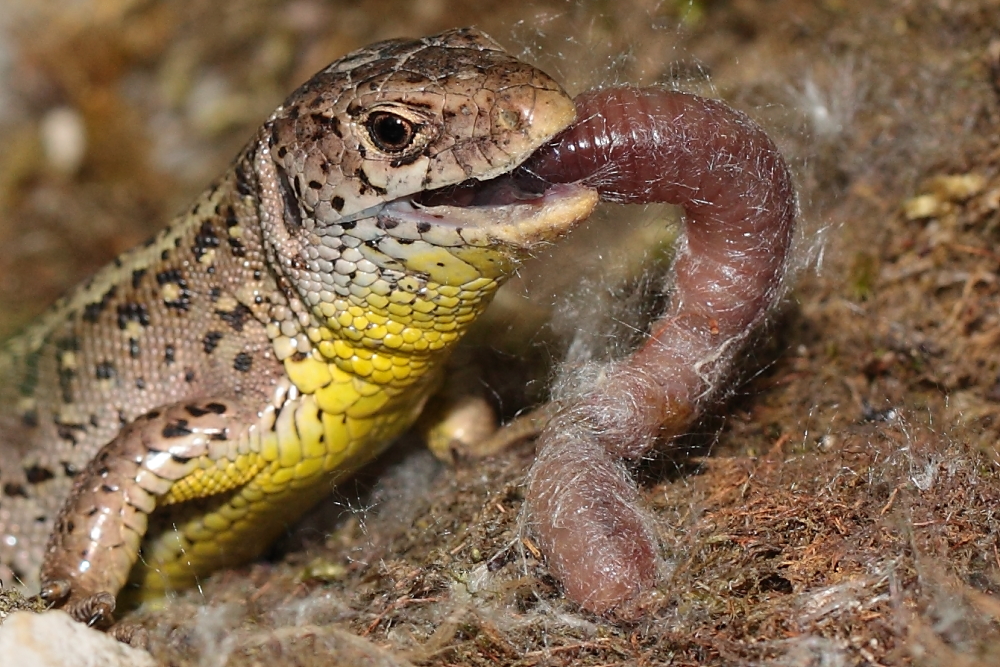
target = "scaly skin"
x: 196, y: 396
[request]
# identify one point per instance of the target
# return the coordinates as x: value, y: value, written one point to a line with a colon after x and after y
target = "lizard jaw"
x: 491, y: 214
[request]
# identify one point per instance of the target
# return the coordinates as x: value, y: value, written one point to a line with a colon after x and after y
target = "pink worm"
x: 642, y: 145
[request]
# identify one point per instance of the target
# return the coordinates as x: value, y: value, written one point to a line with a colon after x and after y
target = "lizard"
x: 177, y: 411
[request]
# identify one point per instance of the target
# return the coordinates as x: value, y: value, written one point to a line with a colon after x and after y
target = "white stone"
x: 64, y: 139
x: 53, y: 639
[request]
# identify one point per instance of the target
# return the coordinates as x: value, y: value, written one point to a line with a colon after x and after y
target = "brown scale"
x: 160, y: 305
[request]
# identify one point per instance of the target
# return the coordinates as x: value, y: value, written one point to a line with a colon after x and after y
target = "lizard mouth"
x: 509, y: 188
x: 506, y: 209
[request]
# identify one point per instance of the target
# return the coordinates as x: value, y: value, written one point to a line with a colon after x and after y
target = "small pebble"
x: 64, y: 139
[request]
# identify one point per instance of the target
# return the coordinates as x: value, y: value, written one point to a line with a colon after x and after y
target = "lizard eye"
x: 390, y: 132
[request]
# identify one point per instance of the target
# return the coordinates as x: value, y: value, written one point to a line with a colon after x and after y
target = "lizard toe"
x: 96, y: 611
x: 134, y: 635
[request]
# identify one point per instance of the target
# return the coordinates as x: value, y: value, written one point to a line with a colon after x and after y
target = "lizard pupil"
x: 390, y: 132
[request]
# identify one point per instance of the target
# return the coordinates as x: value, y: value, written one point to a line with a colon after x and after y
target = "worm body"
x: 641, y: 145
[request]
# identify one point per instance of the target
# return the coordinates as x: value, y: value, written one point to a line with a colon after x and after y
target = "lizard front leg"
x: 98, y: 532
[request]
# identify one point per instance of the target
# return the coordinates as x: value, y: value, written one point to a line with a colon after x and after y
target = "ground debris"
x: 839, y: 509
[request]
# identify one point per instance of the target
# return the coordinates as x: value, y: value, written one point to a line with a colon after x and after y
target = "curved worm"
x: 641, y: 145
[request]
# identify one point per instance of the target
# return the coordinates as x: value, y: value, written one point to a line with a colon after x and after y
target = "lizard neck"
x: 389, y: 340
x: 381, y: 303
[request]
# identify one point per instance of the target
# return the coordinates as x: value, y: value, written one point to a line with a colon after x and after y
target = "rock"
x: 53, y: 639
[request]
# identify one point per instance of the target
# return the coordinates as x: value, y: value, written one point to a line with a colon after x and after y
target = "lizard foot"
x: 96, y: 611
x: 525, y: 426
x: 132, y: 634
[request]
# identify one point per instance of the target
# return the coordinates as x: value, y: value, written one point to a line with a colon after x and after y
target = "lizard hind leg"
x: 99, y: 530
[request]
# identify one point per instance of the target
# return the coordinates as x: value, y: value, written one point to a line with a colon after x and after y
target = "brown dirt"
x: 838, y: 508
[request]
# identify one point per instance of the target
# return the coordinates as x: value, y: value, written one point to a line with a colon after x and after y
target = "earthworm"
x: 644, y: 145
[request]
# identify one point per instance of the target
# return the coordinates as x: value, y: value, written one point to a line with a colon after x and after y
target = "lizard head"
x: 385, y: 174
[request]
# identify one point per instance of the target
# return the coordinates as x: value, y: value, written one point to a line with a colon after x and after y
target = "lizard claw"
x: 54, y: 592
x: 95, y: 610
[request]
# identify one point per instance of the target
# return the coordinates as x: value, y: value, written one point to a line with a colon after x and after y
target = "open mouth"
x: 513, y: 208
x: 512, y: 188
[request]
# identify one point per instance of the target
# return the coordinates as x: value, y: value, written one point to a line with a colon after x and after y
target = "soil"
x: 838, y: 507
